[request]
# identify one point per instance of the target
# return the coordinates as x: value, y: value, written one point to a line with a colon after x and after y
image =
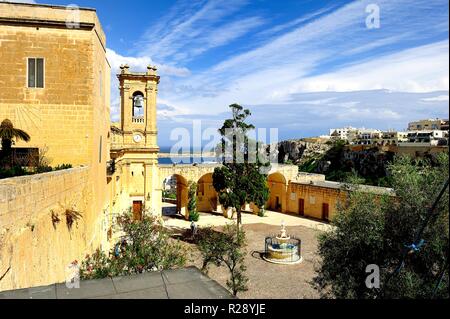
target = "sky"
x: 301, y: 66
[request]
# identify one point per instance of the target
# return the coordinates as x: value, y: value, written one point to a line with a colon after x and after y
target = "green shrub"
x: 369, y: 229
x: 43, y: 169
x: 12, y: 172
x: 146, y: 247
x: 194, y: 216
x: 192, y: 204
x: 62, y: 166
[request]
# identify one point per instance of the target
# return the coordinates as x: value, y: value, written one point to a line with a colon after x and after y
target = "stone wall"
x: 34, y: 247
x: 314, y: 197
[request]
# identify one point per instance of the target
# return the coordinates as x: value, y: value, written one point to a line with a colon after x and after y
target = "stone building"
x: 428, y: 125
x: 54, y: 79
x: 135, y: 148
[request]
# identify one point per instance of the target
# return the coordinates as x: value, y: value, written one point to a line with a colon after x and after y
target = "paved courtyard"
x: 267, y: 280
x: 270, y: 218
x: 186, y: 283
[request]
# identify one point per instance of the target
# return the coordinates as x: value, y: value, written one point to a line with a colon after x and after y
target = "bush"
x: 12, y: 172
x: 373, y: 230
x: 43, y: 169
x: 192, y: 204
x: 62, y: 166
x: 194, y: 216
x: 225, y: 248
x: 146, y: 246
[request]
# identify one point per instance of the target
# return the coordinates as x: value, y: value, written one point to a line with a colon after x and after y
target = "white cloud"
x: 294, y: 61
x: 136, y: 64
x: 140, y: 63
x: 193, y: 27
x: 421, y: 69
x: 436, y: 98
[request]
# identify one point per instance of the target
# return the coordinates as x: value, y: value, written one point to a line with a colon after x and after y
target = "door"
x: 301, y: 207
x: 325, y: 210
x: 137, y: 210
x: 277, y: 204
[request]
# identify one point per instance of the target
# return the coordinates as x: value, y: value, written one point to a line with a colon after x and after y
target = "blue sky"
x: 301, y: 66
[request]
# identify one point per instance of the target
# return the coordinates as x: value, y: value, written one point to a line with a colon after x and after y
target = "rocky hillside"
x: 336, y: 161
x: 299, y: 151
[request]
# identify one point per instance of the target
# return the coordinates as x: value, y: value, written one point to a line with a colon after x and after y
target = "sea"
x: 185, y: 159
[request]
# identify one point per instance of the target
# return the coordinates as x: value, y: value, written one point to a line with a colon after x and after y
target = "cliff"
x: 299, y: 151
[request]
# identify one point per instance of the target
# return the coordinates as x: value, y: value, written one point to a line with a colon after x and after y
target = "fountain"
x: 282, y: 249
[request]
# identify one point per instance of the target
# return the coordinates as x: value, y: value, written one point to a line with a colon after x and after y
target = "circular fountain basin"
x: 283, y: 253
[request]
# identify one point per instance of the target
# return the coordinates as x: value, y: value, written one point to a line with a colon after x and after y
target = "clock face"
x: 137, y: 138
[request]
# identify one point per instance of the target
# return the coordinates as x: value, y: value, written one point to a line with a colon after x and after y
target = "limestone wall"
x: 314, y: 198
x: 34, y: 249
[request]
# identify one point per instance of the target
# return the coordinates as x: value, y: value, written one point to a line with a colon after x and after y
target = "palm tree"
x: 7, y: 133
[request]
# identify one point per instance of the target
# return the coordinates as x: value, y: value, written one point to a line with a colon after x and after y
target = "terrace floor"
x: 186, y: 283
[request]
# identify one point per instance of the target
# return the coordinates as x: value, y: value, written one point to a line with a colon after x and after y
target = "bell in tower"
x: 138, y: 105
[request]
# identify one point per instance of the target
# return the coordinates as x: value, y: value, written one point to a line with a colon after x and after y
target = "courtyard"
x: 266, y: 280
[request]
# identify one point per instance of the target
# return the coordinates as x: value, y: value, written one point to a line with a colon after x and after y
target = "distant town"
x: 428, y: 132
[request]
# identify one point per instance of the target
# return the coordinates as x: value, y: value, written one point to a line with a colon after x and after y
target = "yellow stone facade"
x: 68, y: 117
x: 36, y: 244
x: 134, y: 147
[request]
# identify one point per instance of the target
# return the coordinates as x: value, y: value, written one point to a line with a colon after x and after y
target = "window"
x: 138, y: 104
x: 100, y: 151
x: 35, y: 72
x: 101, y: 84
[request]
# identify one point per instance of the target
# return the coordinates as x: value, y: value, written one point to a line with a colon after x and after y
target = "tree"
x: 225, y: 248
x: 242, y: 178
x: 369, y: 229
x: 192, y: 203
x: 7, y: 133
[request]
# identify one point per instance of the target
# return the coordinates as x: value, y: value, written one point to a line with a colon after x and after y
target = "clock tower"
x: 138, y: 107
x: 137, y: 156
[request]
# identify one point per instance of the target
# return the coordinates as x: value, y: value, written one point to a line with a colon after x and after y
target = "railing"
x: 137, y: 120
x: 288, y: 250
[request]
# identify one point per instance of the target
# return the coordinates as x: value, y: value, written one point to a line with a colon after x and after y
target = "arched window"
x: 138, y: 104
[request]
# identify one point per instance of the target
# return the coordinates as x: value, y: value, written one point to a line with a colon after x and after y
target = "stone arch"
x: 207, y: 199
x: 138, y: 106
x: 277, y: 183
x: 181, y: 187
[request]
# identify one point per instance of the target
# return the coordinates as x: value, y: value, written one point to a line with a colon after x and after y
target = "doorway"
x: 277, y: 204
x: 137, y: 210
x: 325, y: 211
x: 301, y: 207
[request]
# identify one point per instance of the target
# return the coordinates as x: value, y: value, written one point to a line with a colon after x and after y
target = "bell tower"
x: 137, y: 155
x: 138, y: 107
